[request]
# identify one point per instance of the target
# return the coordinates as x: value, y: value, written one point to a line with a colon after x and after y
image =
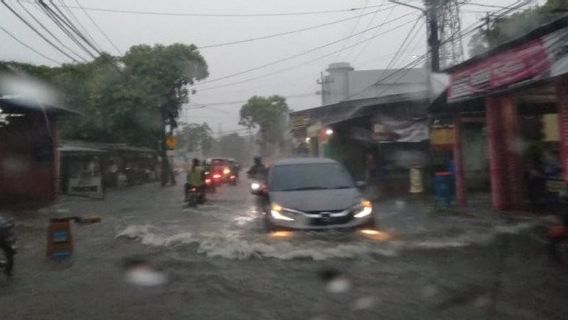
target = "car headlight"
x: 276, y: 213
x: 255, y: 186
x: 363, y: 209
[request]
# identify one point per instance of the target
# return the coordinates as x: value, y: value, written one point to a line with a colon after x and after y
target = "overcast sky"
x: 294, y: 78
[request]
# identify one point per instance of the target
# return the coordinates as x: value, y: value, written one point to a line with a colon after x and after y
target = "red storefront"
x: 519, y: 85
x: 28, y: 158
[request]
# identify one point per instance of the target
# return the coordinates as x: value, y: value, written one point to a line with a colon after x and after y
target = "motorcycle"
x: 192, y: 197
x: 212, y: 181
x: 233, y: 179
x: 7, y: 246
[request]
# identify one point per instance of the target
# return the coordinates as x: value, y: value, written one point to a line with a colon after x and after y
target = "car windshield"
x: 314, y: 176
x: 272, y: 159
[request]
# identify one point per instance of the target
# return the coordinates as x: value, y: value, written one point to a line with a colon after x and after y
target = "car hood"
x: 316, y: 200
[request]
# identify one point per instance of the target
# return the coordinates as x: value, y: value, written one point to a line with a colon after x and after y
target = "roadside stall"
x: 81, y: 170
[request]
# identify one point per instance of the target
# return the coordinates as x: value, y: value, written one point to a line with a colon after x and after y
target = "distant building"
x: 342, y: 83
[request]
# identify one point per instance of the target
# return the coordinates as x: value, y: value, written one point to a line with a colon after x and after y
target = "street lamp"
x: 328, y: 131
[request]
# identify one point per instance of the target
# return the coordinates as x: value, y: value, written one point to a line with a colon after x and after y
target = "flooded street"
x: 217, y: 262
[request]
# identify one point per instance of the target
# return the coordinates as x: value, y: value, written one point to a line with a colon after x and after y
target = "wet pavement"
x: 151, y: 258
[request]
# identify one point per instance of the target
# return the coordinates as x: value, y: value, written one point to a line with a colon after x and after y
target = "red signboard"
x: 539, y: 58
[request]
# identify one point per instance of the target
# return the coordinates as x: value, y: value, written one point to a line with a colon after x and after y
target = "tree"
x: 507, y: 28
x: 270, y: 115
x: 233, y: 146
x: 124, y: 99
x: 163, y: 73
x: 195, y: 138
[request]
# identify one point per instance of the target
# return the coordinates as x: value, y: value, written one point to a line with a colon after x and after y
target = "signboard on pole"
x: 171, y: 142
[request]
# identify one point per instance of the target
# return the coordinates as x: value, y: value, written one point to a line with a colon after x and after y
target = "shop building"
x: 512, y: 102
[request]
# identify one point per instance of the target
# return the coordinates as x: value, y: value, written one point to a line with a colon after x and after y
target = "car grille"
x: 328, y: 221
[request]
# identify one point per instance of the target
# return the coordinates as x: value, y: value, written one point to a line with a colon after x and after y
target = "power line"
x: 291, y: 31
x: 56, y: 20
x: 222, y: 15
x: 400, y: 49
x: 60, y: 16
x: 99, y: 28
x: 376, y: 31
x: 461, y: 34
x: 76, y: 21
x: 483, y: 5
x: 301, y: 53
x: 354, y: 27
x: 28, y: 46
x: 303, y: 63
x: 37, y: 32
x: 56, y: 38
x: 222, y: 103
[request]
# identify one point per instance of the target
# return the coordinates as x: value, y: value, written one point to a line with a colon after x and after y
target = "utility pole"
x: 323, y: 81
x: 165, y: 167
x: 433, y: 52
x: 431, y: 13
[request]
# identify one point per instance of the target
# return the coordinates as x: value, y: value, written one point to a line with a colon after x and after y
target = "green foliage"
x: 120, y: 98
x: 233, y: 146
x: 508, y: 28
x: 270, y: 115
x: 195, y: 137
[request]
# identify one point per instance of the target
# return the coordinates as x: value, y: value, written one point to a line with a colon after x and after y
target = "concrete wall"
x: 336, y: 83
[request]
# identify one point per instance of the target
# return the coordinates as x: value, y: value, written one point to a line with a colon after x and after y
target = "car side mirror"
x: 361, y: 184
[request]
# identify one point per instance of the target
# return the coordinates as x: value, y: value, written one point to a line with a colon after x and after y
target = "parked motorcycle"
x: 7, y: 246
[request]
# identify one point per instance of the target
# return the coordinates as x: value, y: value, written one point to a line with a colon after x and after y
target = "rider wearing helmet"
x: 258, y: 169
x: 195, y: 178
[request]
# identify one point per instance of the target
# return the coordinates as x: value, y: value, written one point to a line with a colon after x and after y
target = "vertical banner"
x: 496, y: 163
x: 562, y: 106
x: 504, y: 157
x: 513, y: 168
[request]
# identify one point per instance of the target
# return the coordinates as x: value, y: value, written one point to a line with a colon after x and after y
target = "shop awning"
x: 352, y: 109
